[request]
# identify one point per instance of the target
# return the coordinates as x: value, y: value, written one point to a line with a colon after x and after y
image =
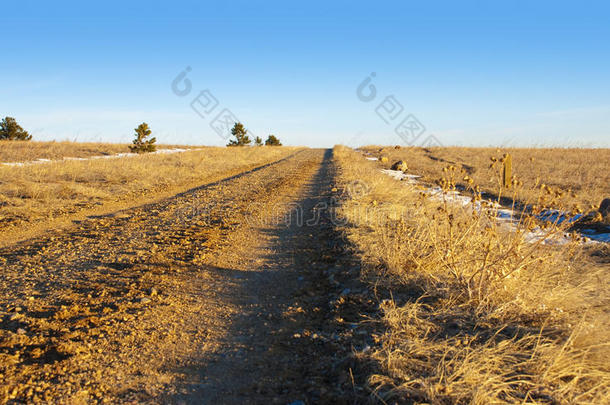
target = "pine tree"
x: 141, y: 144
x: 10, y: 130
x: 241, y: 135
x: 258, y: 141
x: 272, y: 140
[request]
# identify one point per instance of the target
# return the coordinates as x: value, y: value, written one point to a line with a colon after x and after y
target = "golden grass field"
x: 39, y: 193
x: 478, y: 314
x: 25, y: 151
x: 578, y: 178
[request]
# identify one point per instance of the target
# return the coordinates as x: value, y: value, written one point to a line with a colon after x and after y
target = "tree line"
x: 242, y: 139
x: 143, y: 142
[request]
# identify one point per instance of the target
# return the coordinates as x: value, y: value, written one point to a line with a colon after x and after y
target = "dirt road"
x: 220, y: 294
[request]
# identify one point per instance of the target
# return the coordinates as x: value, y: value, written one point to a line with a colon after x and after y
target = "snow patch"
x: 115, y: 156
x: 504, y: 215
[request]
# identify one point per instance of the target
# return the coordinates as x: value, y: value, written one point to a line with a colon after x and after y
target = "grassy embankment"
x: 478, y: 314
x: 574, y: 178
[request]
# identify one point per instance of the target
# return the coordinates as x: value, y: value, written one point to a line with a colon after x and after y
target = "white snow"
x: 504, y: 215
x: 115, y: 156
x: 399, y: 175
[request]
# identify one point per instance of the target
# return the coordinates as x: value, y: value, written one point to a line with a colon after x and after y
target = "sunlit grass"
x: 35, y: 193
x: 479, y: 314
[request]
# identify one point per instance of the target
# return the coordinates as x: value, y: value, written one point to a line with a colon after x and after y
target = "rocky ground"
x: 238, y: 291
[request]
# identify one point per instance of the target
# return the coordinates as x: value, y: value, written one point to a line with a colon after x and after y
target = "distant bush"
x: 241, y: 135
x: 10, y: 130
x: 141, y: 144
x: 258, y: 141
x: 272, y: 140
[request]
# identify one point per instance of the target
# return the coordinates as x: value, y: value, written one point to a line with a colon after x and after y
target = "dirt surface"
x: 237, y: 291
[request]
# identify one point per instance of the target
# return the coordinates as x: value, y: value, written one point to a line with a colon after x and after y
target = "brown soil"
x: 214, y: 295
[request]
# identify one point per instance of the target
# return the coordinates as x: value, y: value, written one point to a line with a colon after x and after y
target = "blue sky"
x: 472, y: 73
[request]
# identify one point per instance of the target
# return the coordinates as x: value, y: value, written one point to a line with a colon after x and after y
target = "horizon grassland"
x: 574, y: 178
x: 468, y: 310
x: 15, y: 151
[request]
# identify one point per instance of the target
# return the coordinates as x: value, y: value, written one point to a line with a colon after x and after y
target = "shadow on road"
x: 286, y: 344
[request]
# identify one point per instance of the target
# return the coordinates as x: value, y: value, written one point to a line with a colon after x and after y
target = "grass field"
x: 25, y: 151
x: 577, y: 178
x: 38, y: 193
x: 476, y: 313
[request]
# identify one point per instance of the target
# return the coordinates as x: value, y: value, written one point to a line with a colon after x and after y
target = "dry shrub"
x: 480, y: 313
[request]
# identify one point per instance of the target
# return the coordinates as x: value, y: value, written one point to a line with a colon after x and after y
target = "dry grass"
x: 25, y: 151
x: 478, y: 314
x: 580, y: 175
x: 38, y: 193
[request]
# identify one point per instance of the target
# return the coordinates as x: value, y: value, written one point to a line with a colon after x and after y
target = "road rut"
x: 218, y: 294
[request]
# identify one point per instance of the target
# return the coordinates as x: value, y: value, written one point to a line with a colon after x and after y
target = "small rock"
x: 604, y: 207
x: 145, y: 300
x: 383, y: 159
x: 16, y: 316
x: 345, y: 292
x: 400, y: 165
x: 21, y: 331
x: 122, y: 216
x: 153, y: 292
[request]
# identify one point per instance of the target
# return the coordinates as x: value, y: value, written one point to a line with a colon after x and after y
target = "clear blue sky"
x: 473, y: 73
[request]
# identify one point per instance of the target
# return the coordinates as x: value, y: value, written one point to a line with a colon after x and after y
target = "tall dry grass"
x: 478, y: 313
x: 580, y: 176
x: 37, y: 193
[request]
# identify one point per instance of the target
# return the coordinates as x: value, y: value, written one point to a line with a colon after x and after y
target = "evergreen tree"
x: 258, y: 141
x: 272, y: 140
x: 241, y: 135
x: 10, y: 130
x: 142, y: 144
